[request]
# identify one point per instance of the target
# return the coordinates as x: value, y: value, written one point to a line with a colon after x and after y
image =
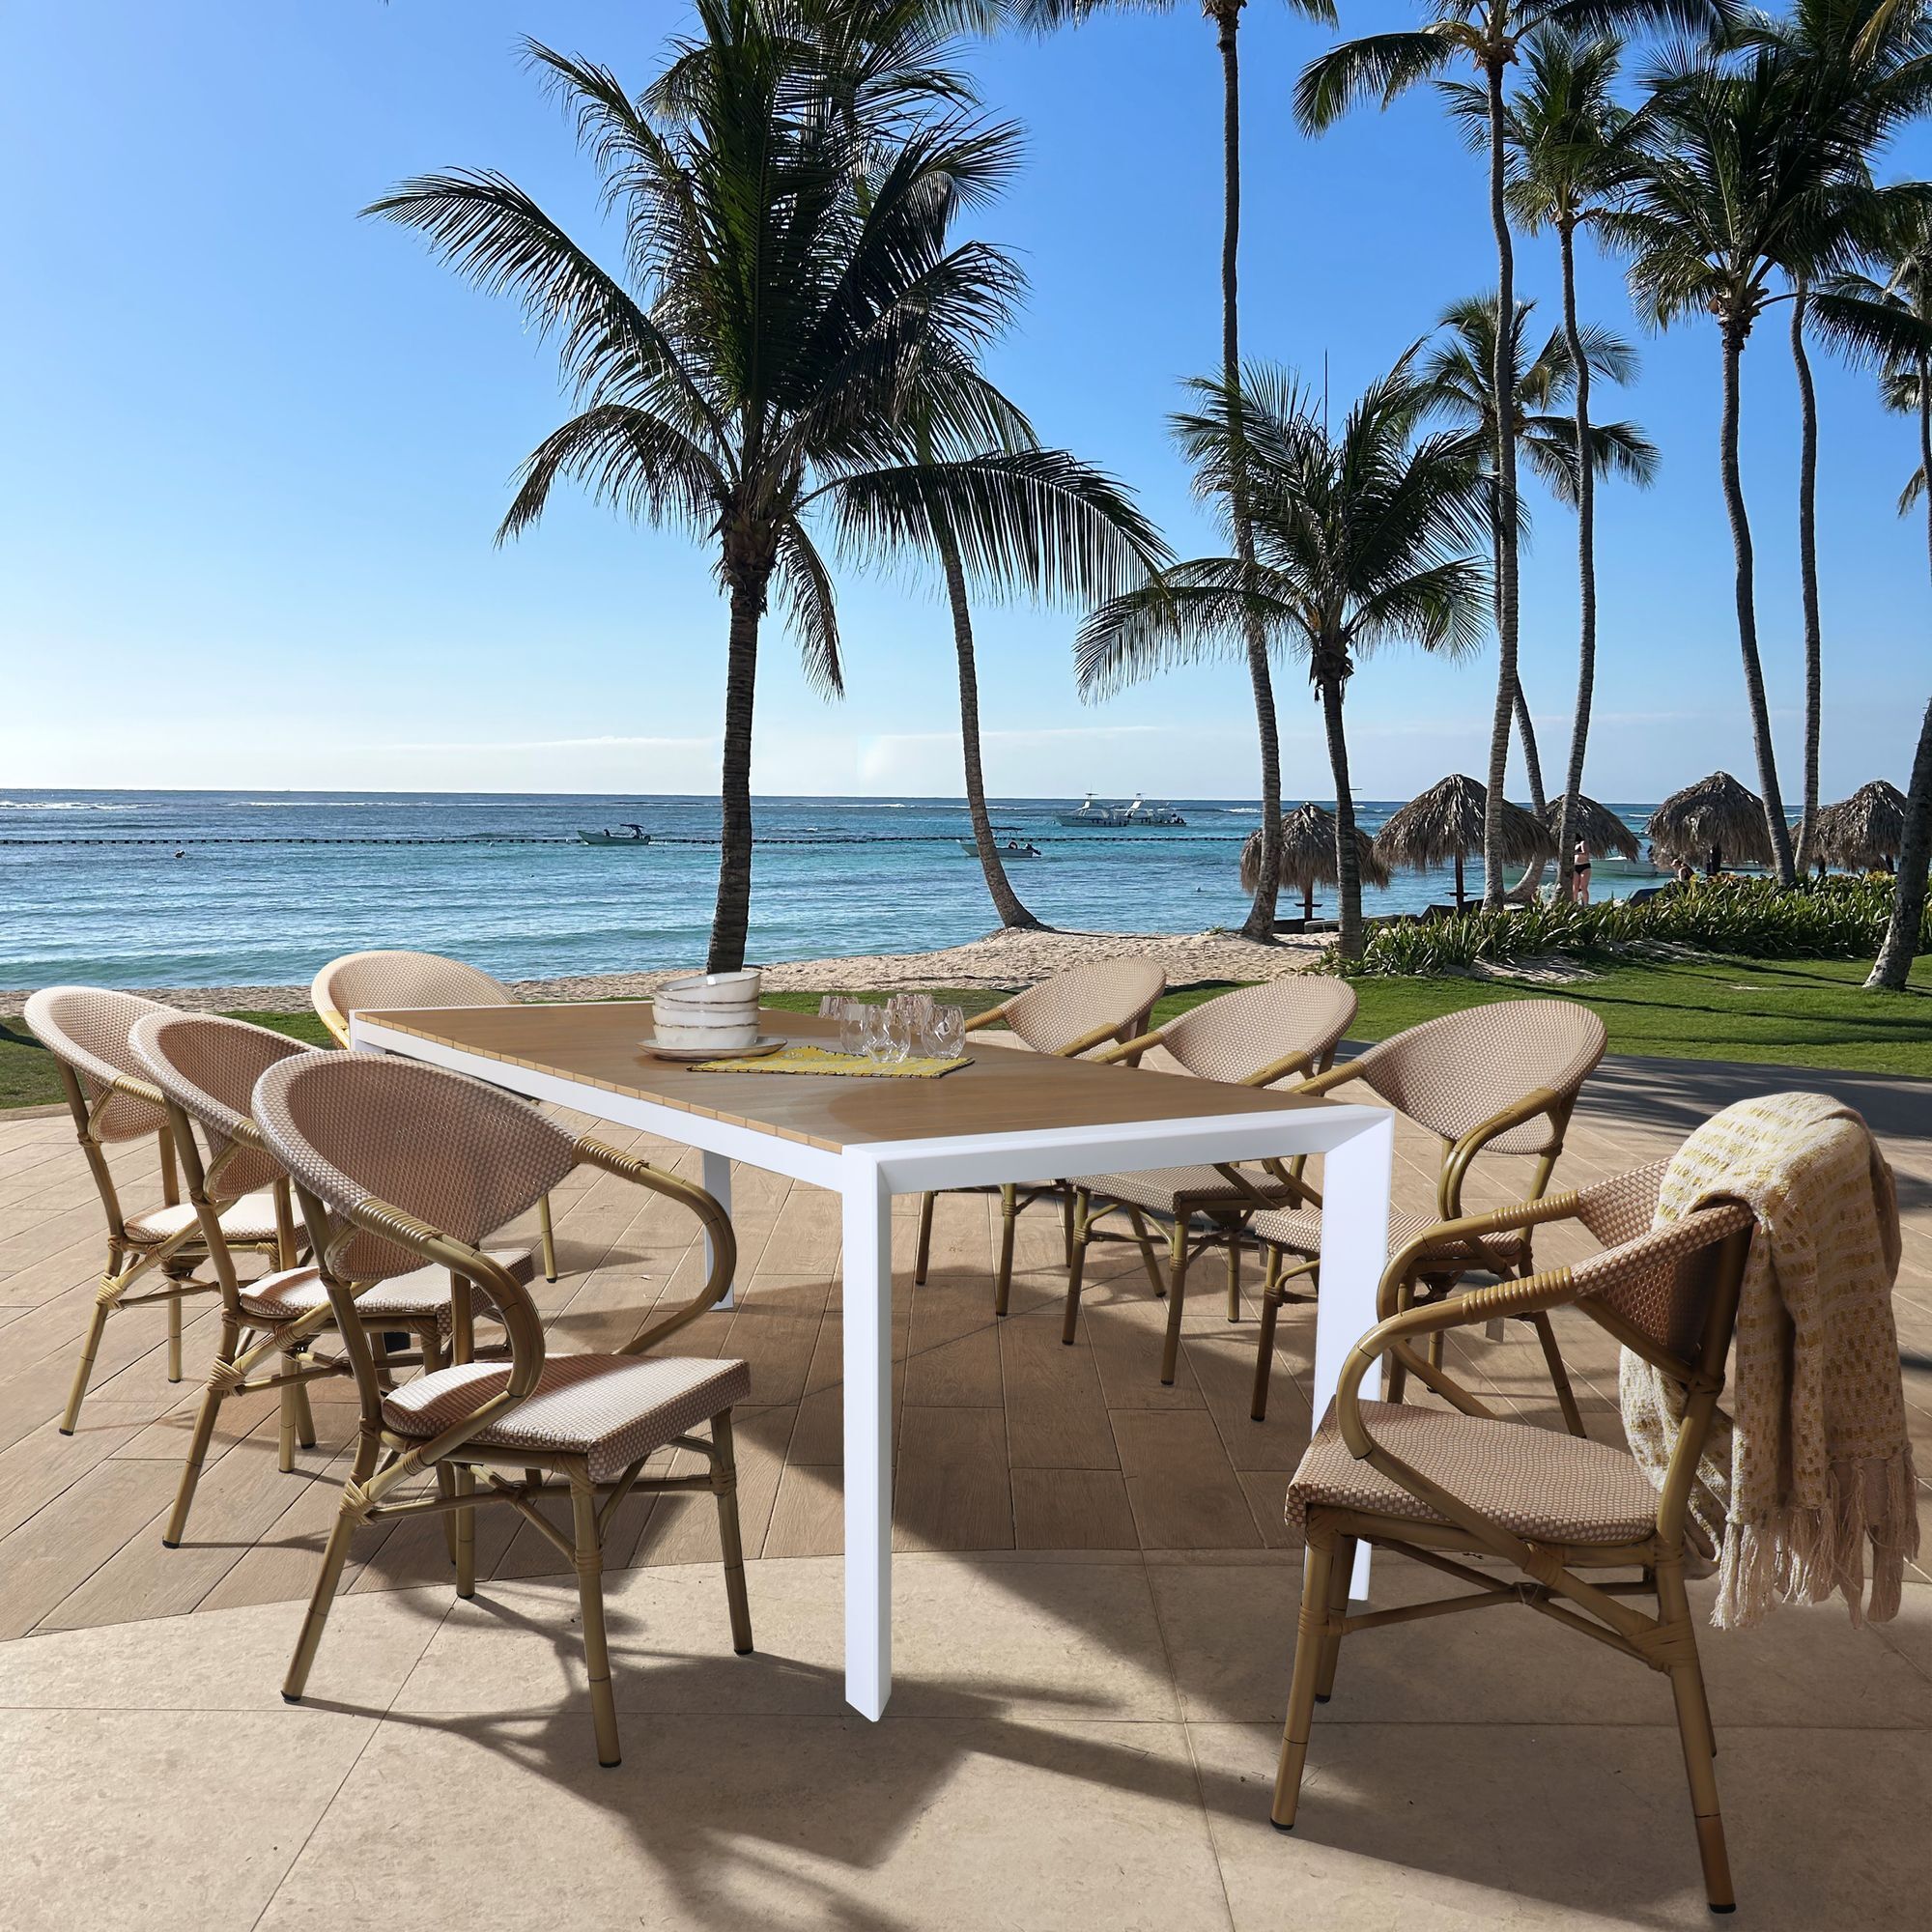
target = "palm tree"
x: 1360, y: 541
x: 1486, y: 34
x: 1225, y: 16
x: 1736, y: 182
x: 1866, y: 59
x: 777, y: 331
x: 1569, y: 155
x: 1902, y: 345
x: 1460, y: 371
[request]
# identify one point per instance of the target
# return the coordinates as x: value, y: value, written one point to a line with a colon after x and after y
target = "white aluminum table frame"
x: 1356, y: 1140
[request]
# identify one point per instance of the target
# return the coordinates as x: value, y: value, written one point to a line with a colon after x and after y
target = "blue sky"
x: 258, y: 448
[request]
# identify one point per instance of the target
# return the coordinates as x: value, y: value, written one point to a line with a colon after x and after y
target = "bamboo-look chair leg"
x: 1258, y: 1407
x: 463, y: 1482
x: 1559, y: 1374
x: 285, y: 1442
x: 548, y: 1238
x: 1148, y: 1260
x: 1177, y: 1297
x: 1311, y: 1642
x: 1340, y: 1574
x: 83, y: 1370
x: 212, y: 1398
x: 1002, y: 1284
x: 922, y: 1252
x: 590, y: 1597
x: 445, y: 1489
x: 174, y: 1332
x: 368, y: 1450
x: 1396, y: 1374
x: 1067, y: 1229
x: 304, y: 1413
x: 1233, y: 1234
x: 725, y: 1486
x: 1076, y: 1263
x: 1700, y: 1744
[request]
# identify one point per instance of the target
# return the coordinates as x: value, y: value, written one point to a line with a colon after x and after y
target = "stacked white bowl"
x: 719, y: 1011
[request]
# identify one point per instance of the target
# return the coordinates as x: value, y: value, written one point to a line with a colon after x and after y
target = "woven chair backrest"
x: 1658, y: 1280
x: 208, y: 1066
x: 1236, y: 1035
x: 1118, y: 993
x: 1452, y: 1074
x: 448, y: 1151
x: 379, y: 982
x: 88, y: 1029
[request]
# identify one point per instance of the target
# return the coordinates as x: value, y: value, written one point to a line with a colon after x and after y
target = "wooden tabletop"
x: 1001, y: 1091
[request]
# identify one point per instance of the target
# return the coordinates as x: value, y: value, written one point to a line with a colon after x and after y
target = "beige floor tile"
x: 970, y: 1637
x: 1072, y: 1509
x: 161, y: 1821
x: 1423, y: 1827
x: 225, y: 1661
x: 1230, y: 1636
x: 789, y: 1823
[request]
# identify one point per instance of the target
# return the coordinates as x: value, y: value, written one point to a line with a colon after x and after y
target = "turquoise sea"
x: 211, y: 889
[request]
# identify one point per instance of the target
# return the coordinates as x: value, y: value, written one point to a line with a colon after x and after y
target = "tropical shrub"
x: 1756, y: 919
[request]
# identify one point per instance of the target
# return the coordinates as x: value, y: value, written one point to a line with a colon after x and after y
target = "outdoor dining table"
x: 1007, y: 1116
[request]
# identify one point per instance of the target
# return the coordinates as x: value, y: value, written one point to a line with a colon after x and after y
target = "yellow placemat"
x: 823, y: 1060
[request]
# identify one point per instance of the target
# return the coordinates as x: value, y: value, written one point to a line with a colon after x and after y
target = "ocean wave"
x: 62, y: 804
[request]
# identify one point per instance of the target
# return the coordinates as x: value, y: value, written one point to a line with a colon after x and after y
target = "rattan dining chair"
x: 396, y: 1165
x: 1259, y: 1037
x: 112, y: 1099
x: 379, y: 982
x: 206, y: 1069
x: 1500, y: 1079
x: 1066, y: 1016
x: 1433, y: 1483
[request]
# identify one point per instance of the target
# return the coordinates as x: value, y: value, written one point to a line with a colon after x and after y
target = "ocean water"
x: 211, y: 889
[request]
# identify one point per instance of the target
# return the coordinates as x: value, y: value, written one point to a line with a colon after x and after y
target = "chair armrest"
x: 1131, y: 1049
x: 1327, y: 1083
x: 1093, y: 1036
x: 1280, y: 1069
x: 717, y: 1224
x: 974, y: 1021
x: 334, y: 1024
x: 1539, y: 1101
x: 1472, y: 1228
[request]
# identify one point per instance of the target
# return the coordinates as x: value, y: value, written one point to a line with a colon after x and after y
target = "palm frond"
x: 812, y: 608
x: 1378, y: 67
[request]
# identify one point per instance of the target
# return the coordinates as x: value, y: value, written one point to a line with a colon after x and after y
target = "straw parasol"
x: 1715, y: 812
x: 1446, y: 823
x: 1600, y: 829
x: 1308, y: 855
x: 1864, y: 831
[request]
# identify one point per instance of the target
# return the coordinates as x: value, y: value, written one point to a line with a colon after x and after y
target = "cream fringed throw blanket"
x: 1813, y: 1463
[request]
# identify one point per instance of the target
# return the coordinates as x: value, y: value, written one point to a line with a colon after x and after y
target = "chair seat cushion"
x: 252, y: 1218
x: 1537, y: 1482
x: 1159, y: 1188
x: 1298, y: 1229
x: 415, y: 1297
x: 612, y: 1410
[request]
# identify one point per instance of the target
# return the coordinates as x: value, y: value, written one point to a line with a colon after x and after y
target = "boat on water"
x: 1006, y: 848
x: 1122, y: 817
x: 624, y: 834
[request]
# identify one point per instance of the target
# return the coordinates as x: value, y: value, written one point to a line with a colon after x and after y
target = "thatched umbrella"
x: 1446, y: 823
x: 1600, y: 829
x: 1864, y: 831
x: 1717, y: 814
x: 1308, y: 853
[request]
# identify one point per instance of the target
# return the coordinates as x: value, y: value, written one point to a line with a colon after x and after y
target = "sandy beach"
x: 1001, y: 959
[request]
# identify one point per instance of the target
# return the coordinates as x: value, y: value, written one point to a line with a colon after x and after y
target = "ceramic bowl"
x: 668, y: 1012
x: 724, y: 1038
x: 716, y: 989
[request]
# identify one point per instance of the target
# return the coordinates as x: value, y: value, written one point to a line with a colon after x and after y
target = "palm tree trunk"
x: 1532, y: 759
x: 1006, y: 901
x: 732, y: 917
x: 1900, y: 946
x: 1347, y: 867
x: 1504, y: 390
x: 1225, y: 15
x: 1586, y: 572
x: 1740, y: 543
x: 1807, y: 572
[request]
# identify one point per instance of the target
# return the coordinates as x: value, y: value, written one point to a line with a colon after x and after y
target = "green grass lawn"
x: 1795, y: 1013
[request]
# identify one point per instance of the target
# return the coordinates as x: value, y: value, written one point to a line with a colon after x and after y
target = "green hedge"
x: 1756, y: 919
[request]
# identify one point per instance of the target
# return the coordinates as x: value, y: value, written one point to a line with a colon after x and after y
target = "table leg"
x: 1354, y: 1247
x: 867, y: 1304
x: 718, y: 1184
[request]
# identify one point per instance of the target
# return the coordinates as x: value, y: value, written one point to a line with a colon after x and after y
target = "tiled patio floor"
x: 1092, y: 1632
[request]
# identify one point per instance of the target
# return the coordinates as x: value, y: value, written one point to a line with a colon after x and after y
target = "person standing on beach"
x: 1580, y: 874
x: 1714, y: 862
